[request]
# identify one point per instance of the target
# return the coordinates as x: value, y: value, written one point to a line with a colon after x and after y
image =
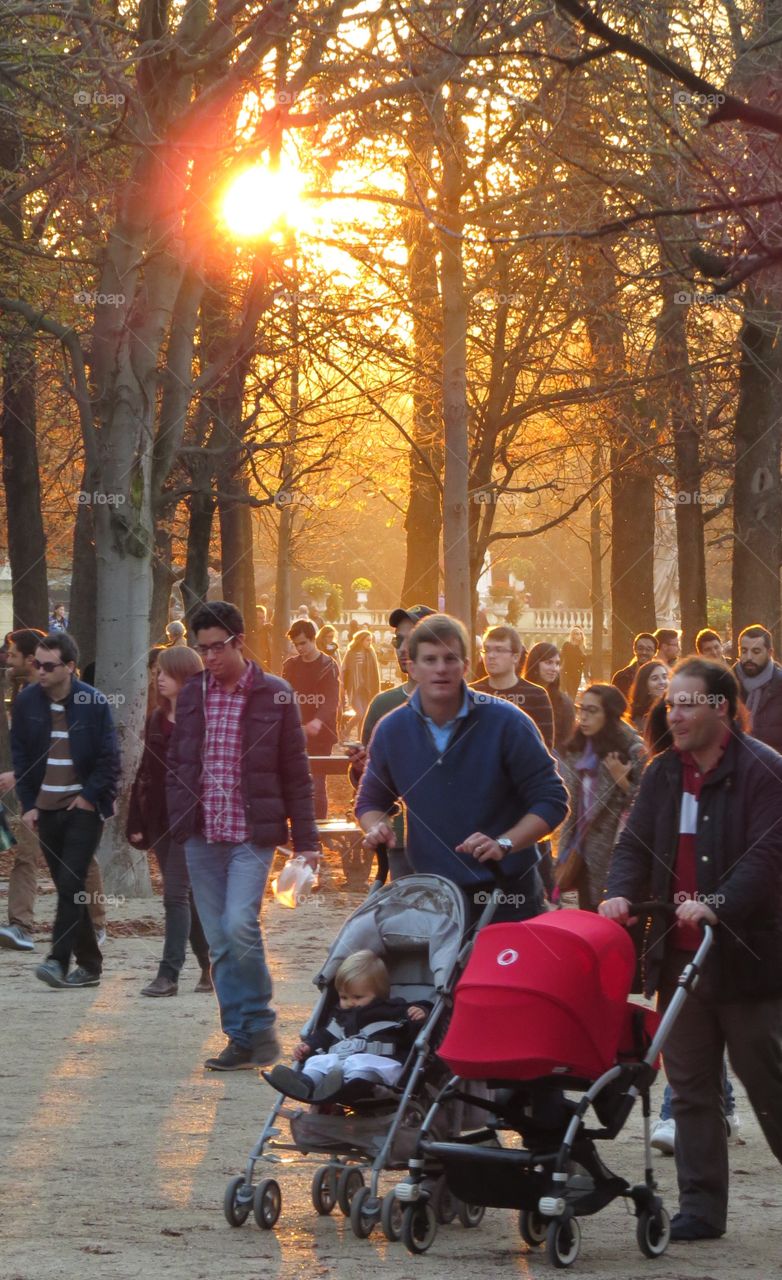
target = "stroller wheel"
x: 563, y: 1242
x: 348, y: 1184
x: 532, y: 1228
x: 419, y: 1227
x: 391, y: 1213
x: 470, y: 1215
x: 237, y: 1206
x: 267, y: 1203
x: 653, y: 1232
x: 324, y: 1189
x: 364, y: 1213
x: 443, y: 1202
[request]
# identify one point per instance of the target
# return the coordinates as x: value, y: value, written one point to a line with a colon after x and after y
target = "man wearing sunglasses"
x: 67, y: 768
x: 237, y: 776
x: 17, y: 935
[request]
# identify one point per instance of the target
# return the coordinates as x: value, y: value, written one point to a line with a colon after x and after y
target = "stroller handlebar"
x: 667, y: 909
x: 651, y: 908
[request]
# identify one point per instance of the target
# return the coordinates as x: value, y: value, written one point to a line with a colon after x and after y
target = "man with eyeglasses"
x: 501, y: 652
x: 237, y: 776
x: 17, y: 935
x: 705, y: 835
x: 67, y: 768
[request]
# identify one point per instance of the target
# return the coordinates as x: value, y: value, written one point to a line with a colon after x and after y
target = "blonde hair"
x: 360, y: 636
x: 363, y: 966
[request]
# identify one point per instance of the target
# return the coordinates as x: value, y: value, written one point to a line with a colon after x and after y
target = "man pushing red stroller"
x: 542, y: 1012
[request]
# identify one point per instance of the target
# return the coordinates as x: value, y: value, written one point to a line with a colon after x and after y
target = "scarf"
x: 587, y: 766
x: 753, y: 685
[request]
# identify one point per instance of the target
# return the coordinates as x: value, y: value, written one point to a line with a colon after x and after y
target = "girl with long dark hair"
x: 601, y: 769
x: 543, y: 667
x: 650, y: 684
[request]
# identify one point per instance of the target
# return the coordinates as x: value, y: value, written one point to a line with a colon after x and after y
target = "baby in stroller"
x: 365, y: 1043
x: 387, y: 982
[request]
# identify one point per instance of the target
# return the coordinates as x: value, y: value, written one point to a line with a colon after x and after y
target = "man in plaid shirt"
x: 237, y: 775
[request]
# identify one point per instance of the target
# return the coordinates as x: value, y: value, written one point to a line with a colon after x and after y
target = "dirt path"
x: 116, y: 1145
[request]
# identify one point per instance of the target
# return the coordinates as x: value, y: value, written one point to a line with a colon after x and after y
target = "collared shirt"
x: 224, y: 816
x: 442, y: 732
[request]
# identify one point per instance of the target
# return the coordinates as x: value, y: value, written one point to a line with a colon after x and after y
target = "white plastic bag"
x: 294, y: 882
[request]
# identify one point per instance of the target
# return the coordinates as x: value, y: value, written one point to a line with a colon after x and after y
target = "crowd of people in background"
x: 621, y: 776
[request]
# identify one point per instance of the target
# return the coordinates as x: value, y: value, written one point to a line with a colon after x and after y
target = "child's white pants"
x: 357, y: 1066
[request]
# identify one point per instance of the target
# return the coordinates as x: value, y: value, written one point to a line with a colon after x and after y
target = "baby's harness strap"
x: 363, y: 1043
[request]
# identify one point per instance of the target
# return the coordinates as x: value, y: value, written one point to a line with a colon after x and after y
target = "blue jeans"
x: 728, y: 1097
x: 228, y: 885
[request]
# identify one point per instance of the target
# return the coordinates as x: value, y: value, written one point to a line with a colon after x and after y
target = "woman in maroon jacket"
x: 148, y: 828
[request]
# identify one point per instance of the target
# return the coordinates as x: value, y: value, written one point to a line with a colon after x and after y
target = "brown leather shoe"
x: 162, y: 986
x: 205, y: 981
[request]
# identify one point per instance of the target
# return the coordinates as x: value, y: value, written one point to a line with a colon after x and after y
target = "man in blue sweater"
x: 477, y: 782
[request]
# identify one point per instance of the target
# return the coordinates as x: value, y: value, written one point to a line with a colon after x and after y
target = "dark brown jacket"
x: 738, y: 860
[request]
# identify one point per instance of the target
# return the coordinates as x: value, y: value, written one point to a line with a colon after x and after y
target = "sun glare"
x: 259, y: 199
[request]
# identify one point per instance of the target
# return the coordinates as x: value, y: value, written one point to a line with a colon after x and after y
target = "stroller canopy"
x: 420, y: 914
x: 544, y: 997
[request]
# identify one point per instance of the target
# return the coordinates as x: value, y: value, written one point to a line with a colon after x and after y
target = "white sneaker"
x: 15, y: 938
x: 664, y: 1136
x: 733, y: 1126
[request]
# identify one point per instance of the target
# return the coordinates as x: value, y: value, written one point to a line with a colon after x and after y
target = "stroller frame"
x: 539, y: 1180
x: 340, y: 1181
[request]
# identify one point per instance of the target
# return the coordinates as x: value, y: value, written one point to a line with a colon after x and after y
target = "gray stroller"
x: 417, y: 925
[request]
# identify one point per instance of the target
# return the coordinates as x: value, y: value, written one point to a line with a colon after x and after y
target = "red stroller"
x: 541, y: 1012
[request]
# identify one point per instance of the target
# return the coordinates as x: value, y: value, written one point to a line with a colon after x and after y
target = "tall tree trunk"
x: 596, y: 600
x: 682, y: 413
x: 250, y: 605
x: 632, y: 547
x: 757, y: 506
x: 456, y: 546
x: 236, y: 551
x: 124, y: 539
x: 195, y: 583
x: 423, y: 521
x: 162, y: 581
x: 84, y: 577
x: 632, y: 478
x: 22, y: 485
x: 232, y: 548
x: 282, y: 589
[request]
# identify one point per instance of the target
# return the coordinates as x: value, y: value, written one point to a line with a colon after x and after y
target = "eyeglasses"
x: 494, y: 651
x: 48, y: 667
x: 398, y: 641
x: 205, y: 650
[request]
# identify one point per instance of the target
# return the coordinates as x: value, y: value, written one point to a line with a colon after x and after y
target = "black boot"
x: 294, y: 1084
